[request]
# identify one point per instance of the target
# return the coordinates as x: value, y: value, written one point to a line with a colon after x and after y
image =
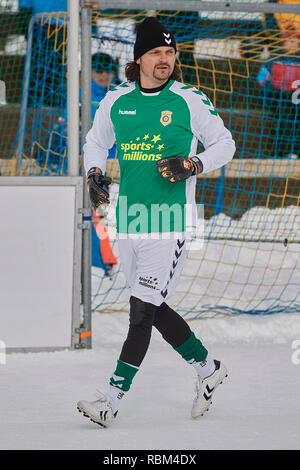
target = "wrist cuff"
x: 198, y: 167
x: 93, y: 171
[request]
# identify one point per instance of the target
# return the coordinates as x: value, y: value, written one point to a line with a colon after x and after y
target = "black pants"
x: 173, y: 328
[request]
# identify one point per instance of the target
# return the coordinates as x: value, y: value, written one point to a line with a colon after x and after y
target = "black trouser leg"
x: 173, y: 328
x: 140, y: 325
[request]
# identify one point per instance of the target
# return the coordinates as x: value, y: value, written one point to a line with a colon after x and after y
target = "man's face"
x: 156, y: 66
x: 103, y: 78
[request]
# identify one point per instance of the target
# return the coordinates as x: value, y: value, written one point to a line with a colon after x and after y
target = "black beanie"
x: 151, y: 34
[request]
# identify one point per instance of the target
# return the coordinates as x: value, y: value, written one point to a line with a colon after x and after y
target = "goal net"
x: 248, y: 65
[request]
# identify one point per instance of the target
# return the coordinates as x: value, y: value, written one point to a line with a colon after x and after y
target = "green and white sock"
x: 120, y: 383
x: 115, y: 396
x: 205, y: 368
x: 193, y: 351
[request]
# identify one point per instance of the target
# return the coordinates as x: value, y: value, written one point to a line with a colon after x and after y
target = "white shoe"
x: 99, y: 411
x: 205, y: 389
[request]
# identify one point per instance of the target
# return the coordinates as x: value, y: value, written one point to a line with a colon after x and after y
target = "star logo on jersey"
x: 155, y: 138
x: 166, y: 118
x: 146, y: 147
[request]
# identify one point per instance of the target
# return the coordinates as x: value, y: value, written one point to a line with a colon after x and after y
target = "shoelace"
x: 101, y: 397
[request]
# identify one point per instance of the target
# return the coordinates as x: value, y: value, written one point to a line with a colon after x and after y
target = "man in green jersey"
x: 157, y: 122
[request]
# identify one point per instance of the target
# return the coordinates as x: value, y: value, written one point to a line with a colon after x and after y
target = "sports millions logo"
x: 147, y: 147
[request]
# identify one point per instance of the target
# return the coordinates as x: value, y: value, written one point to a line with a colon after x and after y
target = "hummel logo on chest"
x: 133, y: 112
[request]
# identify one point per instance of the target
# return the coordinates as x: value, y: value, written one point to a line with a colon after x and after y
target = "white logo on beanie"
x: 167, y: 38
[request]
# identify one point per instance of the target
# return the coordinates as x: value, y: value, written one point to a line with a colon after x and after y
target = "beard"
x: 162, y: 72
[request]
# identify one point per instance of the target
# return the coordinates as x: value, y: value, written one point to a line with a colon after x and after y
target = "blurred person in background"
x: 104, y: 78
x: 280, y: 79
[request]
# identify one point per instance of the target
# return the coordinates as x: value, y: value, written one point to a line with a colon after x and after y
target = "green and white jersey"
x: 148, y: 127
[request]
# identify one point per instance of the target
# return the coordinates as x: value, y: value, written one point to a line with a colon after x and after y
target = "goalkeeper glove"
x: 98, y: 187
x: 179, y: 168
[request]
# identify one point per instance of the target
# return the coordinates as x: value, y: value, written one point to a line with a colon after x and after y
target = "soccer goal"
x: 249, y: 261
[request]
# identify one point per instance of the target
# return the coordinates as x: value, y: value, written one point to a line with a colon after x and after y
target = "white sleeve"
x: 209, y: 129
x: 100, y: 138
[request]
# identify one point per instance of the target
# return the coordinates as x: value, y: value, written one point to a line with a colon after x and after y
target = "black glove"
x: 179, y: 168
x: 98, y: 187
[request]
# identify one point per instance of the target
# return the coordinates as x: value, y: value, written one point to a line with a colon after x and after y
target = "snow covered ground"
x: 257, y: 407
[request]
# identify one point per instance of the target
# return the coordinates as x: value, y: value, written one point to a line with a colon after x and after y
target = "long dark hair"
x: 132, y: 72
